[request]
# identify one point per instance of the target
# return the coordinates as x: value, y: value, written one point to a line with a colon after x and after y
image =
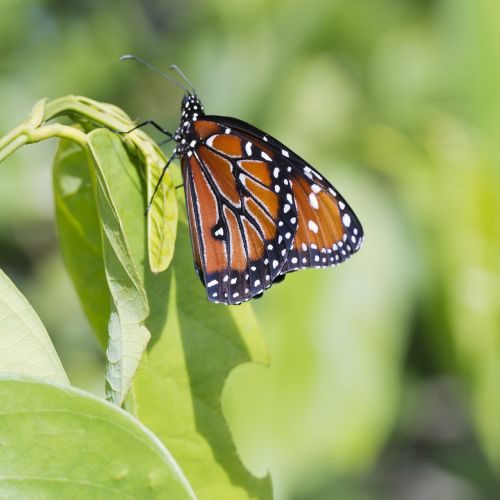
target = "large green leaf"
x: 217, y: 339
x: 79, y: 233
x: 118, y: 185
x: 93, y: 194
x: 25, y: 346
x: 163, y: 214
x: 178, y: 387
x: 59, y: 442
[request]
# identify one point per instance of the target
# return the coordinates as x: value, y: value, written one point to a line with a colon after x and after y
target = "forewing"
x: 241, y: 212
x: 328, y: 231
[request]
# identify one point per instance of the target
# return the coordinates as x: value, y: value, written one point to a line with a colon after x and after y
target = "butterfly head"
x: 191, y: 108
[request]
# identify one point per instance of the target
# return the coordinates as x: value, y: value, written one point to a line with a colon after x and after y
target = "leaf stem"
x: 27, y: 134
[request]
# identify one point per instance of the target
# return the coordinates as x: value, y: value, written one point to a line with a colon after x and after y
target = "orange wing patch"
x: 267, y: 198
x: 266, y: 224
x: 319, y: 218
x: 204, y: 129
x: 214, y: 255
x: 228, y: 145
x: 221, y: 171
x: 328, y: 232
x: 254, y: 242
x: 238, y: 259
x: 257, y: 169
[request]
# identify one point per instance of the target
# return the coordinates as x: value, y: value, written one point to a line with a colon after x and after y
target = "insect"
x: 256, y: 210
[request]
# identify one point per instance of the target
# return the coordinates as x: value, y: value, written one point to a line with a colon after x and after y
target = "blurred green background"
x: 385, y: 376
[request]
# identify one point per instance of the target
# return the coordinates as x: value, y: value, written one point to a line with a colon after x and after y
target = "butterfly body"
x: 256, y: 210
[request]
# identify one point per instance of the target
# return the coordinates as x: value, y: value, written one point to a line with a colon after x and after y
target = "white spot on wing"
x: 346, y: 219
x: 312, y: 226
x: 265, y: 156
x: 313, y: 201
x: 284, y: 152
x: 248, y: 148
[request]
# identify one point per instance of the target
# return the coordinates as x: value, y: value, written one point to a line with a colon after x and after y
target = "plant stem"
x: 26, y: 134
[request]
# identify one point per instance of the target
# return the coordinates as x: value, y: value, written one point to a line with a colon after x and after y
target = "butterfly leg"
x: 166, y: 141
x: 154, y: 124
x: 159, y: 182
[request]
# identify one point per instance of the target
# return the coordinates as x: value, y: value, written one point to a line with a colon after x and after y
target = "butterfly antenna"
x: 176, y: 68
x: 128, y: 57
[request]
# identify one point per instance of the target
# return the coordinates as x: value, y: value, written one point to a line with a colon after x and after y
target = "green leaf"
x: 79, y: 233
x: 177, y: 389
x: 162, y: 220
x: 99, y: 208
x: 25, y: 346
x: 162, y: 216
x: 59, y: 442
x: 118, y: 185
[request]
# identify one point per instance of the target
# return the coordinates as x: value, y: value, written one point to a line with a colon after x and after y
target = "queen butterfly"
x: 256, y: 209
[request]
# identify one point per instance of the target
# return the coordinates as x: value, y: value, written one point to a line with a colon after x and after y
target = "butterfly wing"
x: 328, y: 231
x: 241, y: 213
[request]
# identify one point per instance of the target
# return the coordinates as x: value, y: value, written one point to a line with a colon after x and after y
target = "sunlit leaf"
x: 79, y: 233
x: 178, y: 387
x: 25, y: 346
x: 118, y: 185
x: 162, y: 216
x: 60, y: 442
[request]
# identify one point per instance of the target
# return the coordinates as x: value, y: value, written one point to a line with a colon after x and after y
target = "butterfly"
x: 256, y: 210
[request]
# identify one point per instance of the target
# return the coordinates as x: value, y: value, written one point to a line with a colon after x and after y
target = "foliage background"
x: 384, y: 376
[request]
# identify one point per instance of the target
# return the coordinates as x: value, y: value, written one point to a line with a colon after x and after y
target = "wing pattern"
x: 241, y: 211
x: 258, y: 211
x: 328, y: 231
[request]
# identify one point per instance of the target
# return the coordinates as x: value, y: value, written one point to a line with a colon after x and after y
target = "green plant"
x: 168, y: 350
